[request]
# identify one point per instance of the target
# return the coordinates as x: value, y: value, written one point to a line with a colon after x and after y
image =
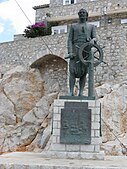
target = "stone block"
x: 73, y: 155
x: 58, y: 103
x: 56, y: 110
x: 48, y: 154
x: 92, y: 156
x: 55, y: 125
x: 58, y: 147
x: 97, y: 117
x: 95, y: 126
x: 54, y: 139
x: 73, y: 148
x: 58, y: 125
x: 97, y: 133
x: 60, y: 155
x: 92, y: 133
x: 86, y: 156
x: 94, y: 104
x: 54, y: 154
x: 58, y: 139
x: 56, y: 117
x: 97, y: 148
x: 100, y: 156
x: 56, y: 132
x: 94, y: 117
x: 95, y: 110
x: 87, y: 148
x: 96, y: 141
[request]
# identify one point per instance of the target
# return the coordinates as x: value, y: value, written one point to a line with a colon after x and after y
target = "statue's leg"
x: 71, y: 84
x: 82, y: 82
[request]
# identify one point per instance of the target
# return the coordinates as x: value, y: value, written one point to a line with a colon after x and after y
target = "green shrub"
x: 39, y: 29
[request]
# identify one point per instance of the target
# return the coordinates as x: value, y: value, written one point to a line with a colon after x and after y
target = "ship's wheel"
x: 87, y: 50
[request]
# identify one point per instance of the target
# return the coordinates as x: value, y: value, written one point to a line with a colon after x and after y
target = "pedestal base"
x: 75, y: 151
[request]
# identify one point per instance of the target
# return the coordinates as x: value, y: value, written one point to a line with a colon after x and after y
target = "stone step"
x: 73, y: 155
x: 28, y: 160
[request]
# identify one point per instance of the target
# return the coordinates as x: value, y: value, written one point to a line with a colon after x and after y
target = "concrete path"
x: 23, y: 160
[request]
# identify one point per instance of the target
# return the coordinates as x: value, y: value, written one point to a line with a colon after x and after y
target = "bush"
x: 39, y: 29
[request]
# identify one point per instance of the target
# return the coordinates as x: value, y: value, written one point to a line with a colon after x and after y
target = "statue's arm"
x: 70, y: 42
x: 93, y: 34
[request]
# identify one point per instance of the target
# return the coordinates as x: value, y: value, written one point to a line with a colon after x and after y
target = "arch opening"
x: 53, y: 70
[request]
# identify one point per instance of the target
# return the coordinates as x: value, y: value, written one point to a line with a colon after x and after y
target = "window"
x: 109, y: 20
x: 62, y: 30
x: 55, y: 31
x: 72, y: 1
x: 67, y: 2
x: 59, y: 29
x: 123, y: 21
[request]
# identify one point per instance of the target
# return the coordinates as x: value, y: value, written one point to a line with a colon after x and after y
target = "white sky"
x: 10, y: 12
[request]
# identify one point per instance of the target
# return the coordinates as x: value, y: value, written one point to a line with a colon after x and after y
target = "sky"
x: 12, y: 19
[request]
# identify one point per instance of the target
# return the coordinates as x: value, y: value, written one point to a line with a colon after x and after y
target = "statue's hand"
x: 71, y: 56
x: 93, y: 41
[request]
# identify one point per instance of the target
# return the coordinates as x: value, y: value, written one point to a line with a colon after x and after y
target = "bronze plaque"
x: 75, y: 123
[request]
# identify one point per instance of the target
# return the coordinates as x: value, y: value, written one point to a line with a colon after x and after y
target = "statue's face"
x: 83, y: 14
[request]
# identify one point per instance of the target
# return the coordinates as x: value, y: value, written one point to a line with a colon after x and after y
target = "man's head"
x: 83, y: 14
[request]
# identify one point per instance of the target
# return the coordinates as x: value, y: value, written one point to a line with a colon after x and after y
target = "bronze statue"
x: 80, y: 33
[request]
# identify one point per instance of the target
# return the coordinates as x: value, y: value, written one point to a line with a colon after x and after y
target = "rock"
x: 39, y: 117
x: 41, y: 110
x: 20, y: 91
x: 30, y: 117
x: 26, y: 113
x: 114, y: 116
x: 34, y: 146
x: 45, y: 137
x: 23, y: 88
x: 101, y: 91
x: 7, y: 111
x: 52, y: 86
x: 117, y: 147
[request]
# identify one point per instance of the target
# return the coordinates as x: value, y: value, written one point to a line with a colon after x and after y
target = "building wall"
x: 95, y: 8
x: 60, y: 2
x: 113, y: 37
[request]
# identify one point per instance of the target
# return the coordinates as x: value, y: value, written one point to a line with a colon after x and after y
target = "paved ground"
x: 35, y: 161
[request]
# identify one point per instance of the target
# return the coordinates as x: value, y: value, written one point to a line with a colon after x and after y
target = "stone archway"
x: 54, y: 73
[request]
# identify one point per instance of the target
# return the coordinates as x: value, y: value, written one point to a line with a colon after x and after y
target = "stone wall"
x: 25, y: 52
x: 98, y: 7
x: 113, y: 37
x: 97, y: 2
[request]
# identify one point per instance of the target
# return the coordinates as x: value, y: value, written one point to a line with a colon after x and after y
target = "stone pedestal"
x: 70, y: 150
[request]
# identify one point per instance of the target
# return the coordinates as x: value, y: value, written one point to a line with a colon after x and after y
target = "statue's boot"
x: 82, y: 82
x: 72, y: 83
x: 80, y: 93
x: 71, y: 94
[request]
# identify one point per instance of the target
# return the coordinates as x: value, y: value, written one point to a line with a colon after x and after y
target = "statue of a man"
x: 79, y: 34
